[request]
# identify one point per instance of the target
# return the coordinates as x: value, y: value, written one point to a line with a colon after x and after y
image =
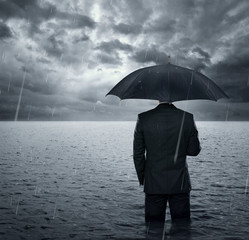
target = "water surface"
x: 76, y: 180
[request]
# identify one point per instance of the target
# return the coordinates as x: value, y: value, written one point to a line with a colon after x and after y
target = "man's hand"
x: 139, y: 151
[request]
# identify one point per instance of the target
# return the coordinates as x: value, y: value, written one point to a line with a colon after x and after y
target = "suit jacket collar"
x: 165, y: 105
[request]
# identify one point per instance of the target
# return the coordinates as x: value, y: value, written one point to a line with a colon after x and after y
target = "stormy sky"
x: 58, y: 59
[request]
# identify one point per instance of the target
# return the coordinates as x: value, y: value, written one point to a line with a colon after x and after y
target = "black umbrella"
x: 167, y: 83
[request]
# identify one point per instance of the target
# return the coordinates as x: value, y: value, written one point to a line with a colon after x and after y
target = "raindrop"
x: 20, y: 96
x: 11, y: 200
x: 164, y: 229
x: 248, y: 81
x: 36, y: 189
x: 179, y: 138
x: 156, y: 58
x: 227, y: 114
x: 69, y: 67
x: 9, y: 81
x: 3, y: 57
x: 192, y: 76
x: 46, y: 78
x: 29, y: 111
x: 148, y: 227
x: 17, y: 205
x: 0, y: 91
x: 146, y: 54
x: 247, y: 180
x: 230, y: 205
x: 54, y: 211
x: 52, y: 113
x: 182, y: 182
x: 31, y: 155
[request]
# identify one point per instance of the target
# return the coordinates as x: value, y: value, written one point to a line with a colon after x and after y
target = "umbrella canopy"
x: 167, y: 83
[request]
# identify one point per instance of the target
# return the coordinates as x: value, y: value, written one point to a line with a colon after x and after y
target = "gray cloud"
x: 158, y: 26
x: 114, y: 45
x: 75, y: 20
x: 5, y: 31
x: 54, y: 47
x: 35, y: 14
x: 127, y: 28
x: 202, y: 53
x: 150, y: 54
x: 83, y: 37
x: 109, y: 59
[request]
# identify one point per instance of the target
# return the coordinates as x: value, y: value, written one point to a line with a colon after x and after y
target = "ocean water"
x: 76, y: 180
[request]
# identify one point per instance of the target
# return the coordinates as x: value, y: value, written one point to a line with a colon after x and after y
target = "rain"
x: 66, y: 156
x: 20, y: 96
x: 30, y: 107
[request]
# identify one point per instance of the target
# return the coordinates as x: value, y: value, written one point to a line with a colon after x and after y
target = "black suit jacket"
x: 163, y: 137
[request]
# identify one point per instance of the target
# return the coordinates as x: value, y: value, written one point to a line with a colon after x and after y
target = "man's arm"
x: 139, y: 151
x: 194, y: 147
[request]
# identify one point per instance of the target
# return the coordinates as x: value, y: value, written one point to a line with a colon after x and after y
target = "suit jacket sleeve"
x: 194, y: 147
x: 139, y: 151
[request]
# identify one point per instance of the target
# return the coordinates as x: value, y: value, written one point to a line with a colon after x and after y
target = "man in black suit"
x: 168, y: 135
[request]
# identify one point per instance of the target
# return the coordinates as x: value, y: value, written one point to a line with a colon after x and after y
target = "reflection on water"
x: 177, y: 230
x: 63, y: 180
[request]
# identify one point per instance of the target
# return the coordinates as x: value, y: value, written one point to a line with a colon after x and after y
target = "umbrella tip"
x: 168, y: 59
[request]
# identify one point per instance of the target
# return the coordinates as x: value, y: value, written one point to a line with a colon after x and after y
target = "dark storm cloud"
x: 127, y: 28
x: 75, y: 20
x: 111, y: 46
x: 233, y: 72
x: 158, y: 26
x: 94, y: 92
x: 10, y: 84
x: 212, y: 24
x: 205, y: 32
x: 195, y: 58
x: 137, y: 10
x: 106, y: 58
x: 202, y: 53
x: 54, y: 47
x: 43, y: 60
x: 5, y: 31
x: 198, y: 61
x: 26, y: 9
x: 151, y: 54
x: 82, y: 38
x: 15, y: 8
x: 234, y: 76
x: 35, y: 14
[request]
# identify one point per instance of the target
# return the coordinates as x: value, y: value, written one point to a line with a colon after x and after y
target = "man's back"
x: 168, y: 135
